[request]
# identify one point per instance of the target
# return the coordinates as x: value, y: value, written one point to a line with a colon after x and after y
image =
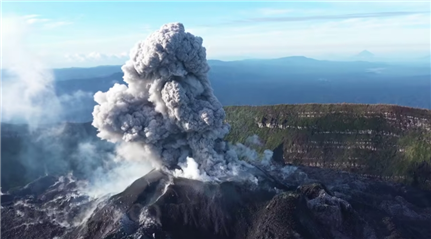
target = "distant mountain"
x: 364, y: 55
x: 91, y: 84
x: 287, y: 80
x: 84, y: 73
x: 291, y: 62
x: 285, y: 69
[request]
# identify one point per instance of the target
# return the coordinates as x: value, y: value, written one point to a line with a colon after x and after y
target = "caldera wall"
x: 384, y: 140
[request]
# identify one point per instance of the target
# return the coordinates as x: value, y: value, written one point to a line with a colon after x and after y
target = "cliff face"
x: 384, y: 140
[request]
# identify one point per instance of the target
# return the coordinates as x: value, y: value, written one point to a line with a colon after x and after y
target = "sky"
x: 83, y: 34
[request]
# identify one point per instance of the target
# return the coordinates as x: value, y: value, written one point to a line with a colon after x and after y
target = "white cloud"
x: 56, y: 24
x: 402, y: 34
x: 147, y: 28
x: 36, y: 20
x: 28, y: 88
x: 46, y: 23
x: 383, y: 4
x: 274, y: 11
x: 75, y: 57
x: 30, y: 16
x: 75, y: 97
x: 95, y: 57
x: 263, y: 39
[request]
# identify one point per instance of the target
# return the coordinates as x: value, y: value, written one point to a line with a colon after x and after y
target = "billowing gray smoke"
x: 168, y: 106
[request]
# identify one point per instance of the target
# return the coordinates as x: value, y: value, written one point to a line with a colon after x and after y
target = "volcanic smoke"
x: 169, y: 109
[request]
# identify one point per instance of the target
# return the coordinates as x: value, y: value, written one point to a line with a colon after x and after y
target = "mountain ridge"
x: 383, y: 140
x: 245, y: 120
x: 285, y: 80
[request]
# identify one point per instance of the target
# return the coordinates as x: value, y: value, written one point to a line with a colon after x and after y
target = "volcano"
x: 364, y: 56
x: 201, y: 186
x: 303, y: 203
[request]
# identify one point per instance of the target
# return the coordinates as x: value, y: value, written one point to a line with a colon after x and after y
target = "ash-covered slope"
x: 305, y: 203
x: 381, y: 140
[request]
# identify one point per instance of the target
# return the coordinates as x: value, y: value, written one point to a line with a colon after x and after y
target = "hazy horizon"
x: 81, y: 37
x: 414, y: 60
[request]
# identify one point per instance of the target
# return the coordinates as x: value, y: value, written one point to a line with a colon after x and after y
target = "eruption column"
x: 168, y: 105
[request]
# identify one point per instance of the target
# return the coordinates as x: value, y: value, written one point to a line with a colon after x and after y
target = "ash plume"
x: 168, y: 107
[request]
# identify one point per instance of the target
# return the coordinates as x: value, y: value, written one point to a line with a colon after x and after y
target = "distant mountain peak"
x: 295, y: 58
x: 365, y: 54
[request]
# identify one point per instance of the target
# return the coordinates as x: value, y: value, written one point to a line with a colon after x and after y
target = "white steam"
x: 254, y: 140
x: 28, y: 85
x: 190, y: 169
x: 27, y: 90
x: 126, y: 158
x: 75, y: 98
x: 168, y: 108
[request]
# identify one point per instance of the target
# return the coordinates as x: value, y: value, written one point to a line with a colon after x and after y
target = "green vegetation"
x: 383, y: 140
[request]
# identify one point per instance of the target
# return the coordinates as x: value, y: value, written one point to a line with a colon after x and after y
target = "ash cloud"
x: 167, y: 107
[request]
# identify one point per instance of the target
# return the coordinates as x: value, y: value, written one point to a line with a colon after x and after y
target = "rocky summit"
x: 289, y: 202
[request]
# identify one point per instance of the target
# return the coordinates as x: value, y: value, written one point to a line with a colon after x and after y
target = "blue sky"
x: 65, y: 34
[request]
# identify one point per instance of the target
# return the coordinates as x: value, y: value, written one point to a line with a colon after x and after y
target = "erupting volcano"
x: 168, y: 107
x: 203, y: 186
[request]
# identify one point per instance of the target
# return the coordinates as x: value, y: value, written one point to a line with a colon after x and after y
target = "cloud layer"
x: 45, y: 22
x: 95, y: 57
x: 334, y: 17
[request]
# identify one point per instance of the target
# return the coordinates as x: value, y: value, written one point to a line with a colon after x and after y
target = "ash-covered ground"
x: 290, y: 203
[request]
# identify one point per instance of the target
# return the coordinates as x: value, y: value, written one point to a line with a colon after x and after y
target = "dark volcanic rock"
x: 36, y: 187
x: 43, y: 209
x: 6, y: 199
x: 322, y: 204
